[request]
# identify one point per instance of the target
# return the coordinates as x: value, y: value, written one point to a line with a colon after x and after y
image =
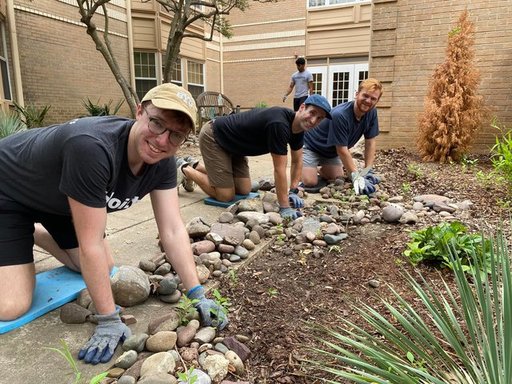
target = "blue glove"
x: 295, y: 200
x: 288, y: 212
x: 107, y: 335
x: 369, y: 187
x: 212, y: 314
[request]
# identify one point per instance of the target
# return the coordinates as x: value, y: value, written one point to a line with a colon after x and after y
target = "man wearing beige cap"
x: 57, y: 185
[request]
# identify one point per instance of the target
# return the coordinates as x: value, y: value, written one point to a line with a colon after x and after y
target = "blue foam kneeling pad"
x: 53, y: 289
x: 212, y: 201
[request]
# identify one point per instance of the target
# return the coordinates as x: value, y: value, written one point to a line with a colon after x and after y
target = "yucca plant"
x: 10, y: 123
x: 31, y: 115
x: 460, y: 335
x: 96, y: 109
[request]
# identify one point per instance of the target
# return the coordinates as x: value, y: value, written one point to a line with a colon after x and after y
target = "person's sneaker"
x: 187, y: 184
x: 191, y: 161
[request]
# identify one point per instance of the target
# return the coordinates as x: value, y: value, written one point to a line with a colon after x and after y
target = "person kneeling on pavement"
x: 57, y: 185
x: 226, y: 141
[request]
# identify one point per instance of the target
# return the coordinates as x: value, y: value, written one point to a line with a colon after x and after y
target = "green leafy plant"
x: 223, y: 301
x: 66, y: 354
x: 96, y: 109
x: 429, y: 245
x: 406, y: 187
x: 467, y: 162
x: 32, y: 116
x: 186, y: 309
x: 188, y: 377
x: 452, y: 334
x: 10, y: 123
x: 415, y: 170
x: 501, y: 153
x: 261, y: 104
x: 272, y: 292
x: 233, y: 277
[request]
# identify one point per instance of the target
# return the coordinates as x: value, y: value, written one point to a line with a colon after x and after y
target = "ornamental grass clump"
x: 453, y: 110
x: 448, y: 335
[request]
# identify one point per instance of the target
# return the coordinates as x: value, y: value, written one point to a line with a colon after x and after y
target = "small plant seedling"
x: 272, y: 292
x: 415, y: 170
x: 186, y: 309
x: 66, y: 354
x: 188, y: 377
x: 221, y: 300
x: 233, y: 277
x: 406, y: 187
x: 334, y: 248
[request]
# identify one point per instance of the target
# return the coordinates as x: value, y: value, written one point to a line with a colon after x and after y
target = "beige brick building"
x: 47, y: 58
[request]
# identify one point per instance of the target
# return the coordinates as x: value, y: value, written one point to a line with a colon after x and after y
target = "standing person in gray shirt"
x: 302, y: 80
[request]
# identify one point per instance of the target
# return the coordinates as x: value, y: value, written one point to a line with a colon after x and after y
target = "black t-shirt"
x: 85, y: 159
x: 257, y: 132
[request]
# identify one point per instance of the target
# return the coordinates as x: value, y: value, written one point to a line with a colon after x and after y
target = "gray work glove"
x: 288, y: 212
x: 212, y: 314
x: 295, y: 200
x: 109, y: 332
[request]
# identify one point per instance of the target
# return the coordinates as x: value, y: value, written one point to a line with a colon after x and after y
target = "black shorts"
x: 297, y: 102
x: 17, y: 232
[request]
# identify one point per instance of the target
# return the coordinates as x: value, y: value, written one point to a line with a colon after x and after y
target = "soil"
x: 279, y: 293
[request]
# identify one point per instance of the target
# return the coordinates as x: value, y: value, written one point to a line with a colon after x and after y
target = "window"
x: 145, y: 72
x: 321, y: 3
x: 195, y: 74
x: 338, y: 83
x: 4, y: 65
x: 176, y: 76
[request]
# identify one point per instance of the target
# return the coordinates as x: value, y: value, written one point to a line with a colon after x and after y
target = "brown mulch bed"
x: 278, y: 293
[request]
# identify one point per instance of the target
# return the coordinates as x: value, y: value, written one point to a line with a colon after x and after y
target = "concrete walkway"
x: 132, y: 234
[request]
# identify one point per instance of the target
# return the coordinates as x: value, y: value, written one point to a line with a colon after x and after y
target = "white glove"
x: 357, y: 182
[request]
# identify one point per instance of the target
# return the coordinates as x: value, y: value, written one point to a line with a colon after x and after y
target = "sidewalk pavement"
x: 132, y: 236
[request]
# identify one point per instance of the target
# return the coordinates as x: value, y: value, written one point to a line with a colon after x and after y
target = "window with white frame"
x: 195, y: 78
x: 176, y: 75
x: 338, y: 83
x: 145, y: 72
x: 4, y: 65
x: 321, y: 3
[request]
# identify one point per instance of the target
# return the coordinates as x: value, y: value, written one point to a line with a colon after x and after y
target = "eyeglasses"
x: 155, y: 126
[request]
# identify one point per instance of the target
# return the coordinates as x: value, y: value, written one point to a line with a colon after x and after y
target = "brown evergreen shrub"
x: 453, y: 109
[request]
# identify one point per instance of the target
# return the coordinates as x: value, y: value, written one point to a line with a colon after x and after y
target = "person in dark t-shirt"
x: 57, y: 185
x: 226, y: 142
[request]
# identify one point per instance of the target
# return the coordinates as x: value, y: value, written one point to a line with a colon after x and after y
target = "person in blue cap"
x: 57, y: 185
x: 226, y: 141
x: 326, y: 148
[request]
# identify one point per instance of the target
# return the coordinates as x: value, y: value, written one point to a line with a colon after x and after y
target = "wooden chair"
x: 211, y: 104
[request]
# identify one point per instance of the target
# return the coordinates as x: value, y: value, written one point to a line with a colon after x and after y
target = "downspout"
x: 131, y: 60
x: 15, y: 53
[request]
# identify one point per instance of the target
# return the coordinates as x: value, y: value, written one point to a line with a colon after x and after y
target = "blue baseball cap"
x: 320, y: 102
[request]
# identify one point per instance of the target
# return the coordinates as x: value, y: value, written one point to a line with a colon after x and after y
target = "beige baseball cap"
x: 174, y: 97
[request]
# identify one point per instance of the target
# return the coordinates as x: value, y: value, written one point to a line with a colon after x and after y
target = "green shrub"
x: 96, y: 109
x: 429, y: 245
x: 32, y: 116
x: 501, y: 153
x: 450, y: 335
x: 10, y: 123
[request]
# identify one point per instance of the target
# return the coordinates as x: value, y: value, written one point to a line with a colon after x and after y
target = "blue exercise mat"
x: 212, y: 201
x: 53, y: 289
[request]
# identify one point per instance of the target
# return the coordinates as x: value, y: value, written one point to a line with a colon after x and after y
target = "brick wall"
x: 409, y: 39
x: 59, y: 63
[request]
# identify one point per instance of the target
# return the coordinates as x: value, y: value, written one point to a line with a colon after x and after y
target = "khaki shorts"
x: 222, y: 167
